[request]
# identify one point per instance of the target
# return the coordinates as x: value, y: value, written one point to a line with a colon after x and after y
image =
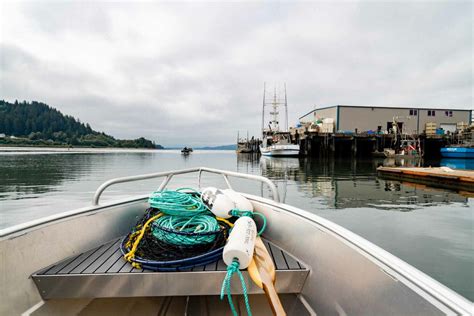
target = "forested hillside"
x: 37, y: 123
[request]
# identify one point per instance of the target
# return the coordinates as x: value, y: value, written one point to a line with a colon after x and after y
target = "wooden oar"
x: 262, y: 272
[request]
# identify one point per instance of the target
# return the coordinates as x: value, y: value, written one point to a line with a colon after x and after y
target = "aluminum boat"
x: 70, y: 263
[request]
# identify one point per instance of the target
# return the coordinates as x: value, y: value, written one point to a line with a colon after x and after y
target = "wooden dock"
x: 443, y: 177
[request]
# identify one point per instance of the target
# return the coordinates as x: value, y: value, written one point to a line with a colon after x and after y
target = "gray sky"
x: 193, y: 73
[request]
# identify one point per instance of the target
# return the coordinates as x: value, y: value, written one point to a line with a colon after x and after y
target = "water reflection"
x: 28, y: 176
x: 458, y: 163
x: 280, y: 170
x: 347, y: 183
x: 401, y: 162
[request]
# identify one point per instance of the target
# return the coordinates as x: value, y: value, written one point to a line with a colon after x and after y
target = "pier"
x: 458, y: 180
x: 362, y: 144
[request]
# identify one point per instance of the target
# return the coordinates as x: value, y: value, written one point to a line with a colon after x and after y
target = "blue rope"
x: 231, y: 270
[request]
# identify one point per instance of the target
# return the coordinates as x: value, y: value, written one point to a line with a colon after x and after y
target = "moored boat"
x: 70, y: 263
x: 276, y: 142
x: 280, y: 150
x: 458, y: 152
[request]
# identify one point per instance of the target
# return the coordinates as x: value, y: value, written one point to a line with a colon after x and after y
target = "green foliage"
x: 37, y: 123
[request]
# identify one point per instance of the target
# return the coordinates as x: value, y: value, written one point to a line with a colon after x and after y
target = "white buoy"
x: 241, y: 242
x: 241, y: 203
x: 219, y: 203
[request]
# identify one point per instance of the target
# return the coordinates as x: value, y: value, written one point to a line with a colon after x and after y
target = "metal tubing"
x: 170, y: 174
x: 199, y: 179
x: 227, y: 181
x: 165, y: 182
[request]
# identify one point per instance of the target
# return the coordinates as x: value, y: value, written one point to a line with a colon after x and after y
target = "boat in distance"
x: 186, y: 150
x: 70, y: 263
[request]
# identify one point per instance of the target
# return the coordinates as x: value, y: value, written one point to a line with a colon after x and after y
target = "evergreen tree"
x: 37, y: 122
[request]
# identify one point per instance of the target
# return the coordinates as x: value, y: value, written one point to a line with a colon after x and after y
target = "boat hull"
x: 281, y: 151
x: 457, y: 152
x: 349, y: 275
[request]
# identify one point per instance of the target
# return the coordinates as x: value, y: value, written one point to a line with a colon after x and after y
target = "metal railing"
x: 170, y: 174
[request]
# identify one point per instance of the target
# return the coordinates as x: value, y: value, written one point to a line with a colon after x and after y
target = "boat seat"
x: 103, y: 273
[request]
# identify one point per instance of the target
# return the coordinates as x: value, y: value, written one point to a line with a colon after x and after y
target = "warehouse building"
x: 413, y: 120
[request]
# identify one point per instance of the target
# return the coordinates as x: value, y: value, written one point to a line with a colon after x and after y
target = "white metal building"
x: 381, y: 118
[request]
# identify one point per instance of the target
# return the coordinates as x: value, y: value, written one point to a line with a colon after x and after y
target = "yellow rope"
x: 131, y: 254
x: 225, y: 221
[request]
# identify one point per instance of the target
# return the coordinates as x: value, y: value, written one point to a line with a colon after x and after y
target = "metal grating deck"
x: 102, y: 272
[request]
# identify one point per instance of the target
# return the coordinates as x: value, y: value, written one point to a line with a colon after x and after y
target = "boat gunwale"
x: 22, y: 228
x: 436, y: 290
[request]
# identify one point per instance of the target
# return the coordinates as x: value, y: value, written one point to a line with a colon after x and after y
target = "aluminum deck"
x: 103, y: 273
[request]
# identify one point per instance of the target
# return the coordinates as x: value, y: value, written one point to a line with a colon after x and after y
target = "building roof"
x: 385, y: 107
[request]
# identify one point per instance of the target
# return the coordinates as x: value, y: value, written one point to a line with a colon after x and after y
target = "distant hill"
x: 39, y: 124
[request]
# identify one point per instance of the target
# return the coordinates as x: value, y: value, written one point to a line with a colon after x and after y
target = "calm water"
x: 430, y: 229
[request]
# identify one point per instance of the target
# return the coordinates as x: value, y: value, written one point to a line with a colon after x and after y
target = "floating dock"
x: 443, y: 177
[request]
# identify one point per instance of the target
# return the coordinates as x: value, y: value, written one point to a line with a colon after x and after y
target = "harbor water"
x: 431, y: 229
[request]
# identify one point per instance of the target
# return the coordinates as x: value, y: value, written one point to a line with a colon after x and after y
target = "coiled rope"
x: 178, y: 226
x: 205, y: 226
x: 177, y: 203
x: 131, y: 254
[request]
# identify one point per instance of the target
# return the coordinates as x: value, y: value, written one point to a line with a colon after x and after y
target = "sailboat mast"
x: 286, y: 112
x: 263, y: 112
x: 275, y: 113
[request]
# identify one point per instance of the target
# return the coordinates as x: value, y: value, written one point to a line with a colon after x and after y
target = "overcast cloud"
x: 192, y: 74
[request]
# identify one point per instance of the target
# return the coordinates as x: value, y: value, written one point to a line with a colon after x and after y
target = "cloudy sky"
x: 193, y: 73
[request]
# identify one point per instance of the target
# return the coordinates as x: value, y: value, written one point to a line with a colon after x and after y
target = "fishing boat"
x: 186, y: 151
x: 70, y: 263
x: 278, y: 145
x: 277, y: 142
x: 245, y: 145
x: 408, y: 148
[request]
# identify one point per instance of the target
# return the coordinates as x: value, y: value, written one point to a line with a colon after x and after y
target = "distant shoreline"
x: 78, y: 149
x: 73, y: 150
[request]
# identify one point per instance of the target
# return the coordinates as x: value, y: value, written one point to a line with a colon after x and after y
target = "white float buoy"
x: 241, y: 203
x: 218, y: 202
x: 241, y: 242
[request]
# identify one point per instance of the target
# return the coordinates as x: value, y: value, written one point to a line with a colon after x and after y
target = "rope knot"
x: 240, y: 213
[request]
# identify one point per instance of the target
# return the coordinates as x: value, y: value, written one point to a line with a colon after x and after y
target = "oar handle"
x: 274, y: 300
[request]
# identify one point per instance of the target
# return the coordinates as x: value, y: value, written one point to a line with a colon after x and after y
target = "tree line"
x: 36, y: 123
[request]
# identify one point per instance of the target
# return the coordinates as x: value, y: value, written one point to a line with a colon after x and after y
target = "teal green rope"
x: 177, y: 203
x: 234, y: 266
x: 231, y: 269
x: 197, y: 224
x: 239, y: 213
